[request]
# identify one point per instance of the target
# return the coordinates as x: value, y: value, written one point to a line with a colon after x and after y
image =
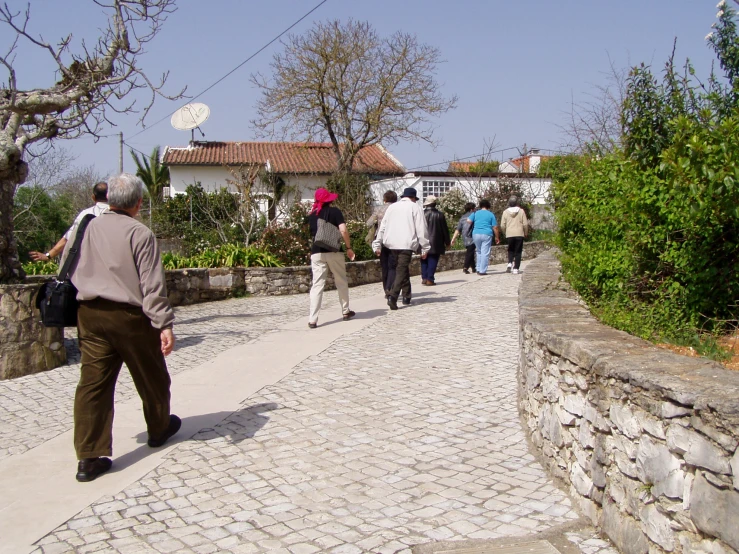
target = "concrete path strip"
x: 39, y: 491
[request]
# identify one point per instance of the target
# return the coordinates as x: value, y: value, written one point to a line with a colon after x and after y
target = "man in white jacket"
x: 403, y: 231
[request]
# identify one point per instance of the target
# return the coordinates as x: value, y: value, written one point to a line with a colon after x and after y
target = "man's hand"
x: 38, y: 256
x: 424, y: 256
x: 377, y: 252
x: 168, y: 340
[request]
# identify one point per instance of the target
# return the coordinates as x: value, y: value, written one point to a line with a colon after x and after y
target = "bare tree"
x: 92, y: 82
x: 341, y: 82
x: 594, y: 125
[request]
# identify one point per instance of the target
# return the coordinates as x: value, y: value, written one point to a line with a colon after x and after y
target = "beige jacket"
x: 514, y: 222
x: 120, y: 261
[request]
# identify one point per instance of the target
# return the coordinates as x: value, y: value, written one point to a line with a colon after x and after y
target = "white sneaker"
x: 508, y: 268
x: 515, y: 272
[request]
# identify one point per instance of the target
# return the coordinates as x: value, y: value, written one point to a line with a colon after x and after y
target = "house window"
x: 437, y: 188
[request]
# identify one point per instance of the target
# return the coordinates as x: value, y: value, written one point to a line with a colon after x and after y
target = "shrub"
x: 41, y: 268
x: 228, y: 255
x: 650, y: 234
x: 289, y: 245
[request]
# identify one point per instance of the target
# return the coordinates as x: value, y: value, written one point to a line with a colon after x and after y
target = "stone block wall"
x: 646, y: 439
x: 26, y: 346
x: 190, y: 286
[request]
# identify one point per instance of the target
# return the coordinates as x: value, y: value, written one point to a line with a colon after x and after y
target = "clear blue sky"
x: 514, y: 65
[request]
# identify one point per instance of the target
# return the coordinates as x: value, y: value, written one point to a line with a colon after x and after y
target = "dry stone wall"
x: 646, y: 439
x: 26, y: 346
x: 190, y: 286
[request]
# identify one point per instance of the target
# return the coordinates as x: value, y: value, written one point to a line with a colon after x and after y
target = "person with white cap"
x: 438, y: 233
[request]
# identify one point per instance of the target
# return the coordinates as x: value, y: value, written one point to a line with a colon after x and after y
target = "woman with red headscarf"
x: 322, y: 260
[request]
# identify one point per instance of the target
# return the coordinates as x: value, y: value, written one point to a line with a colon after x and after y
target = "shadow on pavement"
x: 186, y: 342
x: 218, y: 316
x: 368, y: 314
x: 433, y: 300
x: 234, y: 426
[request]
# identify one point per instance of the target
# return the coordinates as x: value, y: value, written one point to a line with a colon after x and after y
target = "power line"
x: 237, y: 67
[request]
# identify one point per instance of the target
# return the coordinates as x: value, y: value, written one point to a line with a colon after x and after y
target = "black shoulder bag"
x: 57, y: 299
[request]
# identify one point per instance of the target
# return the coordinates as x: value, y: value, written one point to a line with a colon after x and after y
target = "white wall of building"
x: 536, y: 188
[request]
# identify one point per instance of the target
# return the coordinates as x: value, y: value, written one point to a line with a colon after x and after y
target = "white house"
x: 438, y: 183
x: 300, y: 167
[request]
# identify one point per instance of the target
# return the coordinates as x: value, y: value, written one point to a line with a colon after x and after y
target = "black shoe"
x: 90, y: 468
x: 392, y: 302
x: 406, y: 300
x: 466, y: 271
x: 348, y: 315
x: 174, y: 426
x: 312, y: 325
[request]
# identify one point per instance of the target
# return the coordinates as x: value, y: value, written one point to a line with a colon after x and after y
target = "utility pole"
x: 120, y: 154
x: 523, y: 160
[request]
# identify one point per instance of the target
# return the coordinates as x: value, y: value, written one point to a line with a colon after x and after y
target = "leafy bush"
x: 228, y: 255
x: 650, y: 234
x: 41, y: 268
x: 289, y: 245
x: 452, y: 205
x: 40, y: 218
x: 203, y: 220
x: 357, y: 233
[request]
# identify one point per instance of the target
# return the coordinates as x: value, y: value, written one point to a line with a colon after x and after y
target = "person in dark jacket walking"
x: 438, y: 237
x: 464, y: 228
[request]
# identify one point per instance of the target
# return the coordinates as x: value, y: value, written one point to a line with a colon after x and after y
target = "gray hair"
x: 512, y: 202
x: 125, y: 191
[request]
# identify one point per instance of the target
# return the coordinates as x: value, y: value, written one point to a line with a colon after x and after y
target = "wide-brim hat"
x: 430, y: 200
x: 409, y: 193
x: 324, y: 196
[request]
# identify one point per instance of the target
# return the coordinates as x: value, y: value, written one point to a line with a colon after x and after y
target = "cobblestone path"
x: 403, y: 433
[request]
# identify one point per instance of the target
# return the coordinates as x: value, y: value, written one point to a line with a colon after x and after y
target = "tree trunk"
x: 13, y: 172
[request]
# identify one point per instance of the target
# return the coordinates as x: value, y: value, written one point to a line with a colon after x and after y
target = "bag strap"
x: 75, y: 250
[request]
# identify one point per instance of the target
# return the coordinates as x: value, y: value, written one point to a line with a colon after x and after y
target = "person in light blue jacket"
x: 485, y: 226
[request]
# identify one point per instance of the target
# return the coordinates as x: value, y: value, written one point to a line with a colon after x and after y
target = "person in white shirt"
x: 100, y: 196
x: 403, y: 231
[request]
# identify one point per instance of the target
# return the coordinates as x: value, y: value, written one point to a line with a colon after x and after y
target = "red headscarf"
x: 322, y: 197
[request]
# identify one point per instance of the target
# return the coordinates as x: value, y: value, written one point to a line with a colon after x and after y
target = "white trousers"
x: 320, y: 265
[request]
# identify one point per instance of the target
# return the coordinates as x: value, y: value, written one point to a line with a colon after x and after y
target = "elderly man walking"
x: 403, y: 231
x: 124, y: 316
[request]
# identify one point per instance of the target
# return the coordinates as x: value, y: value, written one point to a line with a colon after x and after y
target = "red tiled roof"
x: 461, y: 166
x: 284, y: 157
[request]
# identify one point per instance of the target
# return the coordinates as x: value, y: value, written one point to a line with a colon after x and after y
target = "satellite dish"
x: 190, y: 116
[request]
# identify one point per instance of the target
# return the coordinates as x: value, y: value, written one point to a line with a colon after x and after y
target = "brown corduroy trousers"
x: 111, y: 333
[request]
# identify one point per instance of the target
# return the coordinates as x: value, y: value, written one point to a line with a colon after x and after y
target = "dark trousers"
x: 515, y: 248
x: 111, y: 333
x: 428, y: 267
x: 388, y: 264
x: 469, y: 256
x: 402, y: 282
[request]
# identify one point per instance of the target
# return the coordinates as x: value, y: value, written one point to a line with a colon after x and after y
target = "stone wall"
x: 646, y: 439
x: 26, y: 346
x: 190, y: 286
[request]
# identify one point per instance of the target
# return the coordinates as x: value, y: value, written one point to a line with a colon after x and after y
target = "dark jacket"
x: 438, y: 230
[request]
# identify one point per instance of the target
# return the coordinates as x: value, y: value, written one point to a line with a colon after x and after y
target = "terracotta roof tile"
x: 461, y: 166
x: 284, y: 157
